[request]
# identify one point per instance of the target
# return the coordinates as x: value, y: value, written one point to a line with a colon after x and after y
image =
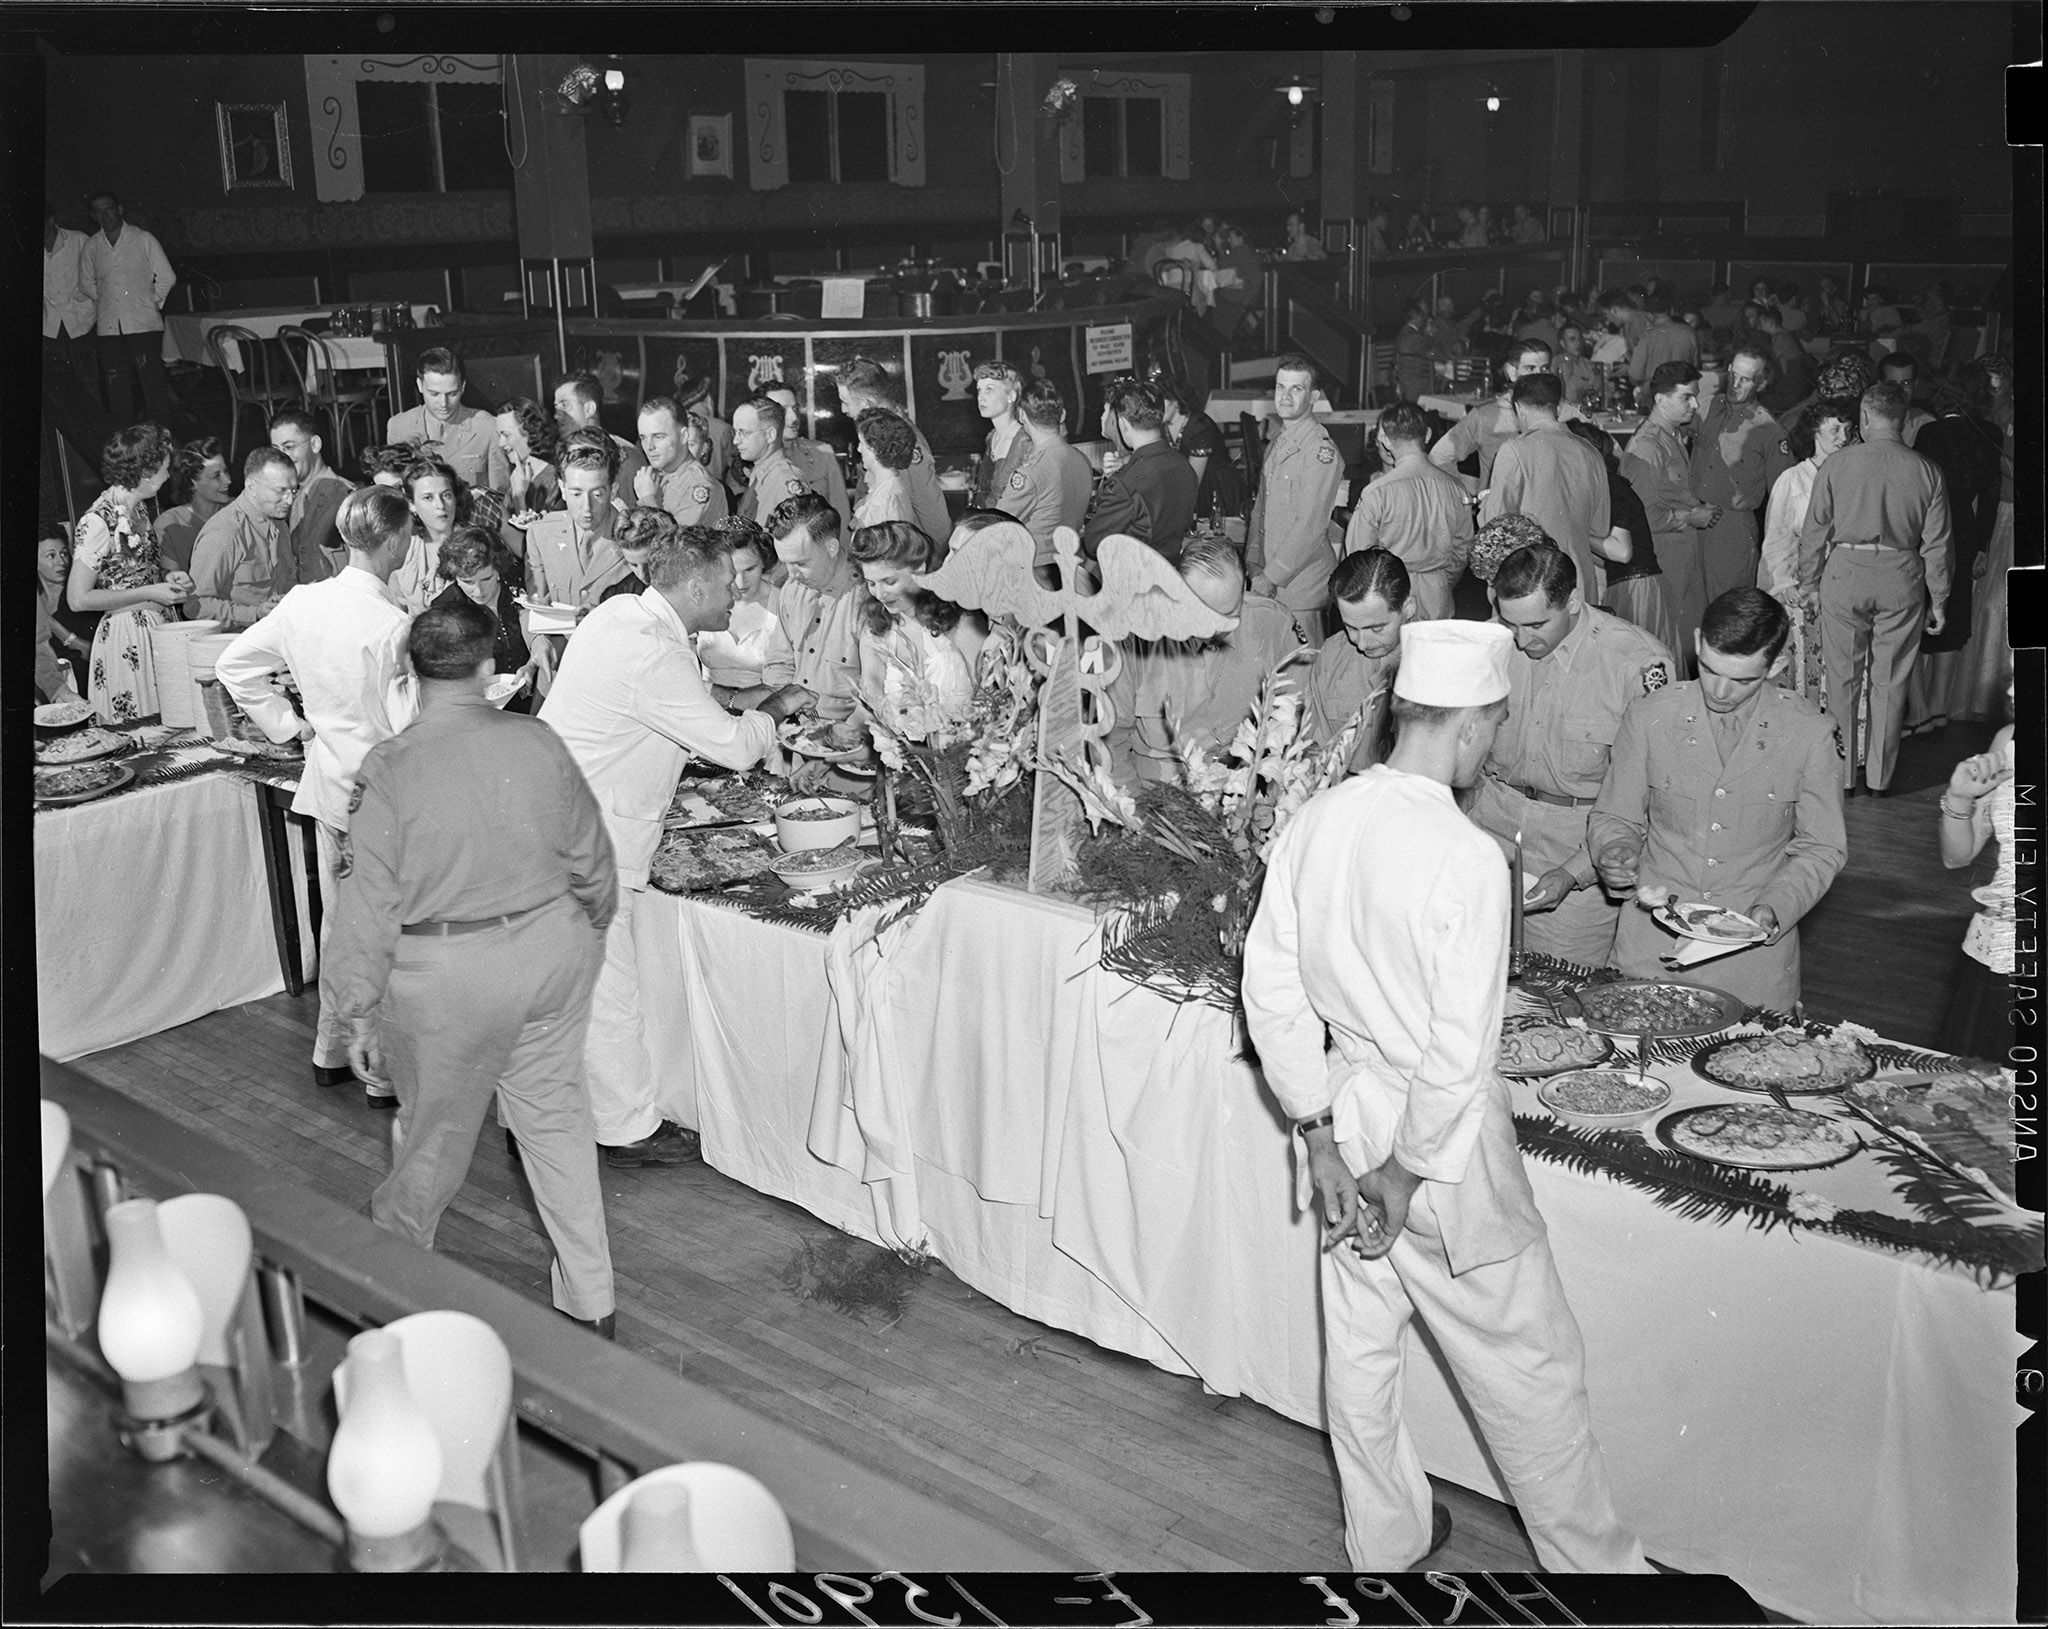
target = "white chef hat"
x: 1453, y: 663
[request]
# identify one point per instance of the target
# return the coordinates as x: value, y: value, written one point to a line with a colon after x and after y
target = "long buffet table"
x: 1828, y: 1424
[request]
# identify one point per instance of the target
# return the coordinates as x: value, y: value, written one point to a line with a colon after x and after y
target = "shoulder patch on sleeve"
x: 1325, y: 453
x: 700, y: 494
x: 355, y: 798
x: 1017, y: 482
x: 1785, y: 446
x: 1656, y: 675
x: 794, y: 487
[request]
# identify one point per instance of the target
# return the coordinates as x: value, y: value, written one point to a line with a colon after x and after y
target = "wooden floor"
x: 1034, y: 1429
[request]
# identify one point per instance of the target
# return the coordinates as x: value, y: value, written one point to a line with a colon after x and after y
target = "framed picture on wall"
x: 711, y: 144
x: 255, y: 146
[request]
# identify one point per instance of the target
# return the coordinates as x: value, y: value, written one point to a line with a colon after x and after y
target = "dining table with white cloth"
x: 185, y: 335
x: 1829, y: 1424
x: 152, y: 909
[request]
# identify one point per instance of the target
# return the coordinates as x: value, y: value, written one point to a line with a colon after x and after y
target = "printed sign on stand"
x: 1110, y: 348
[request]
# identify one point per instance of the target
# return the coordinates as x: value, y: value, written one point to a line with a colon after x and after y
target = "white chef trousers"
x: 618, y: 1069
x: 330, y: 1034
x: 1517, y: 1355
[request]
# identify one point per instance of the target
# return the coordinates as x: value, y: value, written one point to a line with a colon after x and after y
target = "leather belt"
x: 1556, y: 799
x: 439, y: 929
x: 1867, y: 548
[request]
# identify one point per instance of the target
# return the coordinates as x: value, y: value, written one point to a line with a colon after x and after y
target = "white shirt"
x: 630, y: 703
x: 67, y: 308
x: 733, y: 656
x: 128, y: 281
x: 344, y: 641
x: 1398, y: 942
x: 1778, y: 565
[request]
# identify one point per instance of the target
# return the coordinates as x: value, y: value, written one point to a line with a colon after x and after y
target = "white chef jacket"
x: 344, y: 641
x: 67, y: 308
x: 1385, y: 917
x: 128, y: 281
x: 631, y: 703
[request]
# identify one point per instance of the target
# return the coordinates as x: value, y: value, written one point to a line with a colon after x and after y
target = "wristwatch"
x: 1315, y: 1122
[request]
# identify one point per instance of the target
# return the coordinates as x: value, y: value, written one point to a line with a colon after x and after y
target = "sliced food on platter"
x: 693, y: 861
x: 1534, y: 1045
x: 1650, y: 1007
x: 1787, y: 1060
x: 82, y: 745
x: 83, y: 781
x: 1699, y: 920
x: 61, y: 715
x: 1962, y: 1118
x: 1759, y: 1136
x: 1604, y: 1098
x: 716, y: 803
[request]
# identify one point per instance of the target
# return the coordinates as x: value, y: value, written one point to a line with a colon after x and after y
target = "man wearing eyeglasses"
x: 316, y: 548
x: 241, y: 562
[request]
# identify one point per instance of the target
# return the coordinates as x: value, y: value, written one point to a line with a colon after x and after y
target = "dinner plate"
x: 806, y: 747
x: 121, y: 775
x: 1695, y: 919
x: 1728, y: 1010
x: 62, y: 715
x: 1786, y: 1088
x: 82, y: 748
x: 1670, y: 1131
x: 1599, y: 1120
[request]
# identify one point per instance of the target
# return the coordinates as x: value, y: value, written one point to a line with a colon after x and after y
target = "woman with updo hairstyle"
x: 198, y: 490
x: 1826, y: 427
x: 440, y: 502
x: 1500, y: 538
x: 479, y: 569
x: 917, y: 651
x: 116, y: 569
x: 888, y: 447
x: 531, y: 443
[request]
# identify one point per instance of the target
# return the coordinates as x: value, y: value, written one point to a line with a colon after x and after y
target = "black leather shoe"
x: 1880, y: 791
x: 667, y: 1144
x: 332, y: 1077
x: 605, y: 1328
x: 1439, y: 1533
x: 385, y: 1099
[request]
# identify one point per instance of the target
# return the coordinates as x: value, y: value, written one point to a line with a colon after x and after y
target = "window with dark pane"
x: 807, y: 127
x: 398, y: 137
x: 1101, y: 135
x: 473, y: 138
x: 863, y: 136
x: 1144, y: 136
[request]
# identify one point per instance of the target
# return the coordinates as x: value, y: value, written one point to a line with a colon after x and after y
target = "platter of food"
x: 1963, y: 1119
x: 1532, y: 1046
x: 1709, y: 923
x: 503, y: 688
x: 258, y: 746
x: 1604, y: 1099
x: 728, y: 800
x: 690, y: 862
x: 81, y: 746
x: 1759, y: 1136
x: 1786, y: 1060
x: 61, y: 715
x: 1653, y: 1009
x: 82, y: 782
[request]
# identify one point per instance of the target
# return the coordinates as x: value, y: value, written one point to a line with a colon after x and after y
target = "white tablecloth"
x: 151, y: 910
x: 1829, y: 1425
x: 185, y: 335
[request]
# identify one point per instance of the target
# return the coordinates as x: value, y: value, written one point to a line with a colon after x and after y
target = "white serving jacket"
x: 1385, y: 918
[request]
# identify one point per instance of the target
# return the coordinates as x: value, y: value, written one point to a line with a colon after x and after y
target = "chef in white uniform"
x: 1399, y: 945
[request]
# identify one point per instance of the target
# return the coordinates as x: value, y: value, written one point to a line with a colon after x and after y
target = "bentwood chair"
x: 257, y: 376
x: 1176, y: 274
x: 330, y: 388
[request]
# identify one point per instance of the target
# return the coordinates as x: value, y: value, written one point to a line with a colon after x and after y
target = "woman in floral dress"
x: 117, y: 571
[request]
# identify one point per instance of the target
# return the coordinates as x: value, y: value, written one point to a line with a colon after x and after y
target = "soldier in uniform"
x: 816, y: 462
x: 672, y: 480
x: 1352, y: 678
x: 1737, y: 456
x: 1151, y: 495
x: 1491, y: 425
x: 570, y: 555
x: 577, y: 399
x: 1658, y: 464
x: 478, y: 882
x: 1576, y: 671
x: 1053, y: 485
x: 757, y: 437
x: 1726, y: 789
x: 1290, y: 544
x: 1415, y: 510
x: 693, y: 396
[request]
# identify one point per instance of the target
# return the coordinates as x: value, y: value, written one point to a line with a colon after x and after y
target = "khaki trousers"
x: 1873, y: 603
x: 503, y: 1010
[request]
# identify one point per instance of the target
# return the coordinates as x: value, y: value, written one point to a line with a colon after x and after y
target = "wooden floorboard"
x: 1033, y: 1429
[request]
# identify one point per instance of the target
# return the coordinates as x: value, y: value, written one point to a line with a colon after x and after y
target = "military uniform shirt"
x: 1422, y: 515
x: 1050, y: 488
x: 236, y: 565
x: 815, y: 643
x: 773, y: 482
x: 467, y: 813
x: 1739, y: 452
x: 818, y: 464
x: 1290, y: 540
x: 467, y: 443
x: 1877, y: 492
x: 687, y: 492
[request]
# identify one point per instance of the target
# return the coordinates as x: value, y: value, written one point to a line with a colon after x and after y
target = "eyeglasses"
x: 293, y: 447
